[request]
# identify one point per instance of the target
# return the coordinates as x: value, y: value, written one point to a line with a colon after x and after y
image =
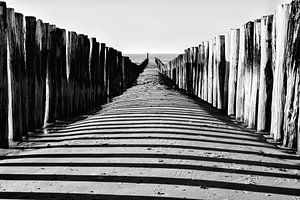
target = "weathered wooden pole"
x: 14, y: 63
x: 3, y: 77
x: 72, y: 69
x: 189, y: 74
x: 61, y: 76
x: 210, y: 72
x: 240, y: 91
x: 215, y: 76
x: 50, y: 78
x: 266, y: 75
x: 197, y: 70
x: 40, y: 79
x: 200, y: 81
x: 205, y: 70
x: 233, y: 70
x: 93, y: 69
x: 102, y: 75
x: 279, y: 90
x: 220, y: 68
x: 31, y: 65
x: 249, y: 28
x: 291, y: 109
x: 23, y: 84
x: 226, y: 72
x: 255, y: 75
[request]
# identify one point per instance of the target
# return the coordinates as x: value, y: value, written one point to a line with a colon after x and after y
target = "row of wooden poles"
x: 251, y: 73
x: 49, y: 74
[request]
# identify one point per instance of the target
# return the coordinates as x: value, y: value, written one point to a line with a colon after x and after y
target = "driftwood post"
x: 215, y: 77
x: 24, y: 84
x: 61, y: 76
x: 205, y: 69
x: 40, y: 75
x: 201, y: 72
x: 220, y: 70
x: 31, y: 65
x: 233, y: 69
x: 255, y: 75
x: 279, y: 92
x: 14, y: 63
x: 291, y: 109
x: 226, y: 72
x: 102, y: 72
x: 210, y: 72
x: 248, y: 68
x: 240, y: 91
x: 266, y: 76
x: 3, y: 78
x: 50, y: 78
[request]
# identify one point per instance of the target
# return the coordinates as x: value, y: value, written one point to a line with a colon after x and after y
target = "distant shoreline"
x: 164, y: 57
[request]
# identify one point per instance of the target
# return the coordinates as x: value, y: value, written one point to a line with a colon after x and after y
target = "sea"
x: 138, y: 58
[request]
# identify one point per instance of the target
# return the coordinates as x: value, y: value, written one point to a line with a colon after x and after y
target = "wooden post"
x: 86, y: 73
x: 102, y: 72
x: 23, y: 84
x: 50, y: 78
x: 220, y: 71
x: 31, y: 65
x: 210, y: 72
x: 291, y: 109
x: 205, y: 70
x: 215, y: 75
x: 61, y: 76
x: 185, y: 70
x: 240, y: 91
x: 278, y: 94
x: 200, y: 72
x: 93, y: 69
x: 233, y: 70
x: 266, y: 75
x: 14, y: 63
x: 40, y: 75
x: 189, y: 73
x: 255, y: 75
x: 72, y: 69
x: 226, y: 73
x: 248, y: 68
x: 3, y: 77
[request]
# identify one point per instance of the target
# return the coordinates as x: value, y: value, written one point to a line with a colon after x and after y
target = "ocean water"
x: 138, y: 58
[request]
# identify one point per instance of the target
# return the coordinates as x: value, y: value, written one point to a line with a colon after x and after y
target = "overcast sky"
x: 155, y: 26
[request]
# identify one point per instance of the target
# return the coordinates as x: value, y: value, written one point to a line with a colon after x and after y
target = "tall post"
x: 266, y: 75
x: 240, y: 91
x: 14, y: 78
x: 279, y: 91
x: 233, y: 70
x: 249, y: 28
x: 3, y: 77
x: 255, y: 75
x: 210, y: 72
x: 291, y: 109
x: 31, y: 65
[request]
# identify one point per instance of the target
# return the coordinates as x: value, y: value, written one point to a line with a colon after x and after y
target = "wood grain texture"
x: 292, y: 55
x: 240, y: 90
x: 255, y: 75
x: 249, y: 28
x: 266, y: 75
x: 233, y: 70
x: 279, y: 90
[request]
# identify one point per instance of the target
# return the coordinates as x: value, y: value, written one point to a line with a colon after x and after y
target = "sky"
x: 154, y: 26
